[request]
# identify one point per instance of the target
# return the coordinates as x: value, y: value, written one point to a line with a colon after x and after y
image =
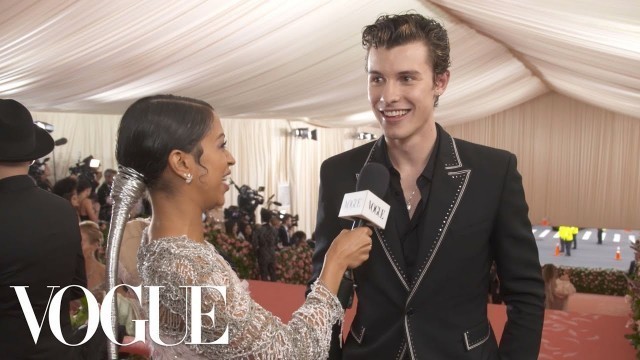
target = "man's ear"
x: 441, y: 83
x: 180, y: 163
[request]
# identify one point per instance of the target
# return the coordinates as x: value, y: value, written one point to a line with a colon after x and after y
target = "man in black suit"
x: 455, y: 208
x: 284, y: 230
x: 40, y: 241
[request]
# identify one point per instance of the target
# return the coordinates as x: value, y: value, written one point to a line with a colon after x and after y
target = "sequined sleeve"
x: 254, y: 332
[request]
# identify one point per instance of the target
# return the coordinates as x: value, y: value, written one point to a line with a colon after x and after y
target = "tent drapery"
x: 286, y: 62
x: 302, y: 60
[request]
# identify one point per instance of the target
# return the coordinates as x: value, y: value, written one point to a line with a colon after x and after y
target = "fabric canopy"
x: 302, y: 60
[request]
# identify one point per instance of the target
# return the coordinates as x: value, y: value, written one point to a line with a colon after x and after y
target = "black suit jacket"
x: 41, y: 247
x: 476, y: 213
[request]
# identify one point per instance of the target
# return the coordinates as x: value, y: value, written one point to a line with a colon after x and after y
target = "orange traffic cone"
x: 618, y: 253
x: 557, y: 249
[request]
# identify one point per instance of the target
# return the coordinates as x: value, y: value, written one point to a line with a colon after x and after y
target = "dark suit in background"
x: 431, y: 302
x: 41, y: 247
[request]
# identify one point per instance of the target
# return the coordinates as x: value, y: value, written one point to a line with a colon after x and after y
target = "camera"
x: 248, y: 201
x: 36, y: 170
x: 86, y: 168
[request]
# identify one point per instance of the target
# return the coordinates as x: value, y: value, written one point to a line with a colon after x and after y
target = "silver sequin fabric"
x: 254, y: 333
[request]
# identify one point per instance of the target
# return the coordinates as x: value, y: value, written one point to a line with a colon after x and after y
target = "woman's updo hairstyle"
x: 154, y: 126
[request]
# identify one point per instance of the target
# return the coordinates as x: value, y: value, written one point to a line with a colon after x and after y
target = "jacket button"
x: 410, y: 311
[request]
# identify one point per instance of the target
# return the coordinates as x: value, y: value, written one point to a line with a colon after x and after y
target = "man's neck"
x: 412, y: 154
x: 8, y: 169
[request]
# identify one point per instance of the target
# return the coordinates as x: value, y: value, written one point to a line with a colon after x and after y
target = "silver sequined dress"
x: 254, y: 333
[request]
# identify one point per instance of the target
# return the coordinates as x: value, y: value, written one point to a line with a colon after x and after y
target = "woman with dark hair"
x: 175, y: 148
x: 67, y: 188
x: 85, y: 209
x: 231, y: 229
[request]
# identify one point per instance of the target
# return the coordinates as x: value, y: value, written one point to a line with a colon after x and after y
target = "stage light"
x: 43, y: 125
x: 305, y: 133
x: 365, y: 136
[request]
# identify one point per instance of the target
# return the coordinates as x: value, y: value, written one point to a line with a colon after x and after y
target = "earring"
x: 188, y: 177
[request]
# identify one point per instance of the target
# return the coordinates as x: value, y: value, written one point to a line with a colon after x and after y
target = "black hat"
x: 20, y: 138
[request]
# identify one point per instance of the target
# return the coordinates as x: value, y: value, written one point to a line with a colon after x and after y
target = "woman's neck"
x: 174, y: 216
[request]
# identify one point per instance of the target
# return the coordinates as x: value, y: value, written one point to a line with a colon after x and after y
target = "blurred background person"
x: 66, y: 188
x: 299, y: 238
x: 40, y: 172
x: 265, y: 241
x: 86, y: 209
x: 92, y: 239
x: 40, y: 242
x: 231, y: 229
x: 246, y: 231
x: 557, y: 288
x: 104, y: 195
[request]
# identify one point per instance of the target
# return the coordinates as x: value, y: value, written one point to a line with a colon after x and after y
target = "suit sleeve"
x: 521, y: 283
x: 327, y: 228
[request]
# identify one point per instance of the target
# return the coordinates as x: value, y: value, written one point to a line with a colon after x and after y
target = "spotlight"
x: 43, y: 125
x: 305, y: 133
x: 365, y: 136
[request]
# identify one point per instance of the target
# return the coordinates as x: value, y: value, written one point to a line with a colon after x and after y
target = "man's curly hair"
x: 394, y: 30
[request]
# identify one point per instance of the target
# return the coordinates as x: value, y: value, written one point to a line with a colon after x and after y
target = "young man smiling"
x: 455, y: 208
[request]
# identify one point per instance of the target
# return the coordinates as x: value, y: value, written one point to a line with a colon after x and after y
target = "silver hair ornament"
x: 128, y: 186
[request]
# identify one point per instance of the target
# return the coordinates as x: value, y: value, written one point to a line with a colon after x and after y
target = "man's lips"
x: 394, y: 114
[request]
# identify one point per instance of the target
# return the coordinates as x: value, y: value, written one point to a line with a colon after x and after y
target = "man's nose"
x: 390, y: 93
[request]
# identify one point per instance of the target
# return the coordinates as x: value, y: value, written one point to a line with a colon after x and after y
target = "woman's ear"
x: 180, y: 163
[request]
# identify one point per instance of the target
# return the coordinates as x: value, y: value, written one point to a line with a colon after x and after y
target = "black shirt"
x: 407, y: 228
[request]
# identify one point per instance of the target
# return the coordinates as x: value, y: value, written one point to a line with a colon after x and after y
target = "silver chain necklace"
x: 409, y: 200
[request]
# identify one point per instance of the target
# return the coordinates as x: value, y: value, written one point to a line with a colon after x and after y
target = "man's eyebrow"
x: 409, y: 72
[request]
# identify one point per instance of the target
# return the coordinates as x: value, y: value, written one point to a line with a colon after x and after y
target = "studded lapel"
x: 449, y: 184
x: 388, y: 238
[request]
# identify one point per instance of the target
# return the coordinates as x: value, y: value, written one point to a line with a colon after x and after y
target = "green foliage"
x: 238, y: 252
x: 598, y: 281
x: 82, y: 315
x: 293, y: 264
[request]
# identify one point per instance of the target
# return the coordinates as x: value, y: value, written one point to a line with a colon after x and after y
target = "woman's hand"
x: 350, y: 248
x: 347, y: 251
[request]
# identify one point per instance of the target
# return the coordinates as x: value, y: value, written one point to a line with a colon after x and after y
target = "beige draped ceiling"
x: 293, y: 63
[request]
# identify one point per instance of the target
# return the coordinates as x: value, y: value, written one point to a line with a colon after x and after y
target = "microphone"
x: 60, y: 141
x: 234, y: 184
x: 365, y: 207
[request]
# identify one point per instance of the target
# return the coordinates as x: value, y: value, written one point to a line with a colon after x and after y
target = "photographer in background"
x: 104, y: 195
x: 40, y: 172
x: 87, y: 169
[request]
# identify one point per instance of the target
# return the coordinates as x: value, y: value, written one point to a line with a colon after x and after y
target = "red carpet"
x: 583, y: 335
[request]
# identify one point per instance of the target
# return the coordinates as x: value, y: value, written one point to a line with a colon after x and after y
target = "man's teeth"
x: 392, y: 113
